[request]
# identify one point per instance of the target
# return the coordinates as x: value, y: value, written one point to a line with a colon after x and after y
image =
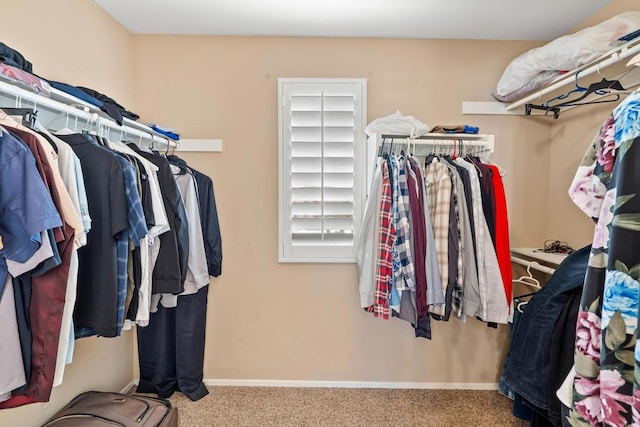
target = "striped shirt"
x: 438, y: 185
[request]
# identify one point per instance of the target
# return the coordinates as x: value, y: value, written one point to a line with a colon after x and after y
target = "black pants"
x: 171, y: 348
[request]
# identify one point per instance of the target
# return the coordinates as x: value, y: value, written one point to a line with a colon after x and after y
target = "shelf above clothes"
x: 607, y: 64
x: 60, y: 104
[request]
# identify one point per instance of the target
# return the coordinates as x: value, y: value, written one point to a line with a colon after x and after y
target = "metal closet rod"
x: 94, y: 118
x: 430, y: 136
x: 478, y: 141
x: 533, y: 264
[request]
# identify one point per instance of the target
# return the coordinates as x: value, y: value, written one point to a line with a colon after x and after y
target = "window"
x: 322, y: 161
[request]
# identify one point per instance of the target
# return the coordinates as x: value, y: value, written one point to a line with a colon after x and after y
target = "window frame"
x: 288, y: 253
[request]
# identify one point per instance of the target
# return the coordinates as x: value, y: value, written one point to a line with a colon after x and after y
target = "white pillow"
x: 566, y: 53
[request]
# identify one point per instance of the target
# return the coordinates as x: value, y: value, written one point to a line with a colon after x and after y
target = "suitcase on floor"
x: 101, y: 409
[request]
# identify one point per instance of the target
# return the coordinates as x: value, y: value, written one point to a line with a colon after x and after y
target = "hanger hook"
x: 577, y: 78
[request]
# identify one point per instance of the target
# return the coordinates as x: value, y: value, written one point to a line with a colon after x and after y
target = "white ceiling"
x: 448, y: 19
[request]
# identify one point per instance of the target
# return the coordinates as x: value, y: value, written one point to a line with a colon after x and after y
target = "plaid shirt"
x: 438, y: 185
x: 405, y: 276
x: 136, y: 231
x: 386, y: 238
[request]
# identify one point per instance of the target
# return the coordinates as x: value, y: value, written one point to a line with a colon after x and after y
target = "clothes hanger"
x: 520, y: 303
x: 577, y: 89
x: 166, y: 151
x: 103, y: 136
x: 402, y: 152
x: 65, y: 130
x: 432, y: 155
x: 381, y: 148
x: 603, y: 87
x: 529, y: 280
x: 27, y: 115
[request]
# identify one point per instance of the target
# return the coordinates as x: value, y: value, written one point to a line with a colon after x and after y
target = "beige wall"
x: 76, y: 42
x: 303, y: 322
x: 73, y: 41
x: 570, y: 136
x: 614, y: 8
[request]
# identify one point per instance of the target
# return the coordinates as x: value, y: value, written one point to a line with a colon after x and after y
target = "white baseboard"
x: 340, y: 384
x: 351, y: 384
x: 128, y: 387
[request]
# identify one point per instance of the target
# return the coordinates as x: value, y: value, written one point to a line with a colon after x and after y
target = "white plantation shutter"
x: 322, y: 166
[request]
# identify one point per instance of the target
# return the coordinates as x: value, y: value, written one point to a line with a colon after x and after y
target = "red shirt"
x: 503, y: 250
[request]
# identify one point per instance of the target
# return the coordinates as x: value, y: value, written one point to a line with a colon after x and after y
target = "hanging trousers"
x: 171, y: 348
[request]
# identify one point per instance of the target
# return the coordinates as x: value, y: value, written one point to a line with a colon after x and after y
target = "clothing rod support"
x: 533, y: 264
x: 94, y: 118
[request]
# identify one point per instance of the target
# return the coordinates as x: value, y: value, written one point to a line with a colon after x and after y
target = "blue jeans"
x: 527, y: 367
x: 520, y: 410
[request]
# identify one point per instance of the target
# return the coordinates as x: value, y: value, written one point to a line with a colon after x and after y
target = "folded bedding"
x: 537, y: 67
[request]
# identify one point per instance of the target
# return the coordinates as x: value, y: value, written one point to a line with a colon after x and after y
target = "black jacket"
x: 208, y: 217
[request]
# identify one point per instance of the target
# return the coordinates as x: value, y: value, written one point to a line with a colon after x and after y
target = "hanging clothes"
x: 492, y: 304
x: 606, y: 347
x: 47, y: 291
x: 434, y: 242
x: 503, y: 249
x: 170, y: 270
x: 197, y: 274
x: 528, y: 362
x: 385, y: 240
x: 157, y: 224
x: 23, y: 218
x: 365, y: 258
x: 171, y: 348
x: 73, y: 178
x: 96, y: 309
x: 80, y: 240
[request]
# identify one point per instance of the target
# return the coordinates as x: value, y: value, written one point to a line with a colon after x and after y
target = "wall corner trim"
x: 126, y: 389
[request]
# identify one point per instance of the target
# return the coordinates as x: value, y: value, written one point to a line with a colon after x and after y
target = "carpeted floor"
x: 262, y: 406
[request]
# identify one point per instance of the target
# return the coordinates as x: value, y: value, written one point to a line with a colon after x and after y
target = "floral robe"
x: 607, y: 188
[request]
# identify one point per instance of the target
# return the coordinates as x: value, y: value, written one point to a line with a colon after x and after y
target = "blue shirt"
x: 136, y: 231
x: 26, y: 205
x: 77, y: 92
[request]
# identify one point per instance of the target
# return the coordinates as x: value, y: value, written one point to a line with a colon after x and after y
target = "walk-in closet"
x: 338, y: 213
